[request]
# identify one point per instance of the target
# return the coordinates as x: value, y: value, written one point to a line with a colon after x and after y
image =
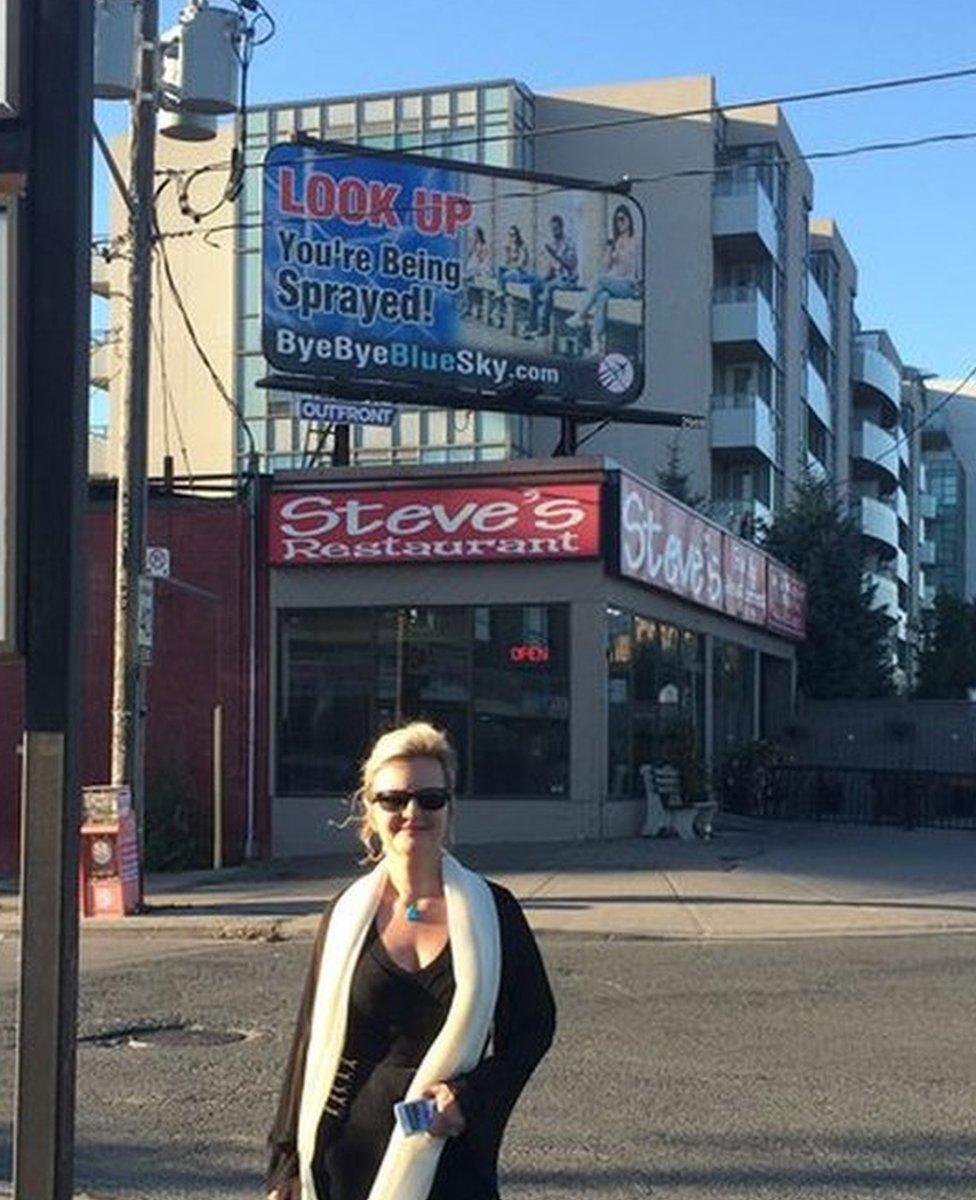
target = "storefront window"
x: 734, y: 683
x: 495, y: 677
x: 521, y: 701
x: 655, y: 704
x: 324, y: 712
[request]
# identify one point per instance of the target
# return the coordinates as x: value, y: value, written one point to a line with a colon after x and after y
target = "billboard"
x: 664, y: 545
x: 437, y: 523
x: 444, y: 275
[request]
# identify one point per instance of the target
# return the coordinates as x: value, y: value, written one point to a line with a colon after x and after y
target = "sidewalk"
x: 754, y: 879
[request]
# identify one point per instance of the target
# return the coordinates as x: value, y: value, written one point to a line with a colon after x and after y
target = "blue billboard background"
x: 393, y: 268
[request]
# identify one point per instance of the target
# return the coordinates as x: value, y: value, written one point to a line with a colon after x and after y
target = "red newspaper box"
x: 109, y: 875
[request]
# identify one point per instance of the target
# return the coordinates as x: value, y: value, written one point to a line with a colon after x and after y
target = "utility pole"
x: 53, y: 310
x: 128, y: 676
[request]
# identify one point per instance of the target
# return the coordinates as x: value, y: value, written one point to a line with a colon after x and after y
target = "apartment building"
x: 948, y: 460
x: 750, y: 315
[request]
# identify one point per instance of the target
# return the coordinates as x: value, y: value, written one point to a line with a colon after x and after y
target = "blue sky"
x: 907, y: 216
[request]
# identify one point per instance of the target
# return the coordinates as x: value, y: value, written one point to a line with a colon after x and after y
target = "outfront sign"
x: 402, y: 269
x: 667, y: 546
x: 435, y: 524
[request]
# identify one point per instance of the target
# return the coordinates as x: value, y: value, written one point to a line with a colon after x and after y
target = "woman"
x: 619, y: 280
x: 415, y: 968
x: 513, y: 269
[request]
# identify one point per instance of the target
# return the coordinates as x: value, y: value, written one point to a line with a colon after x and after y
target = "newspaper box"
x: 109, y: 875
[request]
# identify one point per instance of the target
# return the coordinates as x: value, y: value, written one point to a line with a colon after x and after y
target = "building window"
x: 496, y: 677
x: 655, y: 700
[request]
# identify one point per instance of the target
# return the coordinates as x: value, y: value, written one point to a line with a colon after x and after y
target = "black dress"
x: 393, y: 1017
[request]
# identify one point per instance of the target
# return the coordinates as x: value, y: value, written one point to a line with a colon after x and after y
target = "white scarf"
x: 410, y: 1163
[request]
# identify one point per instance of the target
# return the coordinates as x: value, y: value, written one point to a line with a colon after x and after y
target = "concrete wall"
x: 194, y: 416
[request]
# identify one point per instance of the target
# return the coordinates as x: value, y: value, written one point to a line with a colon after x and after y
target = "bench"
x: 666, y: 811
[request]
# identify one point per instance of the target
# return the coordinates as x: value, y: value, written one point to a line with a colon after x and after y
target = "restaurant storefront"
x: 565, y: 621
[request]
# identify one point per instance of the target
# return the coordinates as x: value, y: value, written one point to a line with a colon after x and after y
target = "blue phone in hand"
x: 414, y: 1116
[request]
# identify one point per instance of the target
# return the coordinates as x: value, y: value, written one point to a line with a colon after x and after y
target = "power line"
x: 169, y: 403
x: 664, y: 177
x: 829, y: 93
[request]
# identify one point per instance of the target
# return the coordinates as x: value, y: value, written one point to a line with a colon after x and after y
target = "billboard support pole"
x: 567, y: 438
x: 341, y: 446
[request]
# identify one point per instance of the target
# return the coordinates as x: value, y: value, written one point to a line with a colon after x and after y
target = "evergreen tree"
x: 847, y: 652
x: 947, y: 656
x: 673, y: 479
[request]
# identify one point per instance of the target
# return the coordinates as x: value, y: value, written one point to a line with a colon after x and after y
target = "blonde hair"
x: 416, y: 739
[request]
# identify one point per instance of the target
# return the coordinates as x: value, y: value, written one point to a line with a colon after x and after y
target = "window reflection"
x: 496, y: 677
x: 655, y: 700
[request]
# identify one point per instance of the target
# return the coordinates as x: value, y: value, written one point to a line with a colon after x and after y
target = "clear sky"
x: 907, y: 216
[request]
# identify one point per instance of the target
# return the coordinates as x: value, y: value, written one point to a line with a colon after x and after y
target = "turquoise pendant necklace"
x: 412, y: 912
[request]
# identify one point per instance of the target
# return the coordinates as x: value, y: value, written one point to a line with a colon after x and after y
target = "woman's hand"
x: 448, y: 1119
x: 291, y: 1189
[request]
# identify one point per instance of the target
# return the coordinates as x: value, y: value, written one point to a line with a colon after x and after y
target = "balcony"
x: 815, y: 468
x: 99, y: 276
x: 742, y: 210
x: 901, y: 505
x: 818, y: 397
x: 875, y: 447
x: 743, y: 423
x: 928, y: 506
x: 886, y: 593
x: 928, y: 596
x: 879, y: 522
x: 102, y: 362
x: 737, y: 515
x: 871, y: 368
x: 742, y: 316
x: 819, y: 310
x: 926, y: 553
x: 901, y: 566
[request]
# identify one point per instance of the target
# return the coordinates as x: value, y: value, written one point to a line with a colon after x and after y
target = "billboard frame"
x: 621, y: 187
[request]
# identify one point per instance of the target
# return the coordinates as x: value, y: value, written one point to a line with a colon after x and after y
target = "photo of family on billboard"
x: 411, y: 270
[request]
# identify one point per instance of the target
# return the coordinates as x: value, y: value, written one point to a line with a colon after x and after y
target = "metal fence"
x: 861, y: 796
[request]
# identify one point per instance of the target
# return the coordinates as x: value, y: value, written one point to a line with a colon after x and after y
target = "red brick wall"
x: 199, y: 660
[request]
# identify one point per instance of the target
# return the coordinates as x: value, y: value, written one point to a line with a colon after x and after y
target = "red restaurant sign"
x: 435, y: 524
x: 667, y: 546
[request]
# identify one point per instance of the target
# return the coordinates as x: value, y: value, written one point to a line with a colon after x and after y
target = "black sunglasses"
x: 429, y: 799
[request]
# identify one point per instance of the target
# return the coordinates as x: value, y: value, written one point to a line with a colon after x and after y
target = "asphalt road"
x: 842, y: 1068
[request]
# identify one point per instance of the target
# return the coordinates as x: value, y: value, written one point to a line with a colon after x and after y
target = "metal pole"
x: 340, y: 446
x: 53, y: 298
x: 218, y: 786
x: 128, y: 685
x: 253, y: 505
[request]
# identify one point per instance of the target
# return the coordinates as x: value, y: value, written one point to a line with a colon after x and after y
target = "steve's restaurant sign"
x: 643, y: 534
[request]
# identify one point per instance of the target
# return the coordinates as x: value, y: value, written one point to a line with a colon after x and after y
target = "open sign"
x: 528, y: 652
